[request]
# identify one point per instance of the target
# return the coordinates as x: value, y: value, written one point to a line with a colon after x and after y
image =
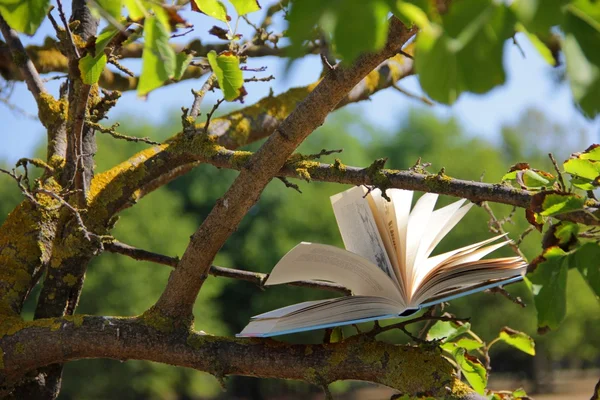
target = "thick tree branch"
x: 258, y: 121
x: 179, y: 296
x: 156, y: 166
x: 47, y: 58
x: 254, y: 277
x: 410, y: 370
x: 22, y: 61
x: 151, y: 168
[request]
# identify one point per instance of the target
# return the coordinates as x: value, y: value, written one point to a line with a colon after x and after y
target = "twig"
x: 176, y: 35
x: 255, y: 79
x: 19, y: 180
x: 496, y: 226
x: 30, y: 74
x: 114, y: 61
x: 210, y: 114
x: 560, y: 177
x: 518, y: 46
x: 377, y: 329
x: 322, y: 153
x: 412, y: 95
x: 526, y: 232
x: 30, y: 196
x: 515, y: 299
x: 112, y: 132
x: 86, y: 233
x: 198, y: 97
x: 259, y: 69
x: 57, y: 28
x: 63, y: 18
x: 430, y: 311
x: 289, y: 184
x: 254, y: 277
x: 34, y: 161
x: 405, y: 54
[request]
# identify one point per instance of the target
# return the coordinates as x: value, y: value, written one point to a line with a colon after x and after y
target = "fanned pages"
x: 387, y: 263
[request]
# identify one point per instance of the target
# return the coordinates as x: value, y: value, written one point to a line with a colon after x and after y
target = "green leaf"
x: 92, y: 64
x: 24, y: 15
x: 158, y: 60
x: 580, y: 46
x: 468, y: 343
x: 549, y: 287
x: 517, y: 339
x: 243, y: 7
x: 472, y: 370
x: 212, y: 8
x: 303, y: 17
x: 539, y: 45
x: 447, y: 329
x: 519, y: 393
x: 352, y: 39
x: 410, y: 13
x: 91, y: 68
x: 469, y: 45
x: 587, y: 169
x: 348, y: 39
x: 226, y: 67
x: 136, y: 9
x: 559, y: 203
x: 587, y: 260
x: 112, y: 7
x: 591, y: 153
x: 182, y: 60
x: 566, y: 232
x: 537, y: 15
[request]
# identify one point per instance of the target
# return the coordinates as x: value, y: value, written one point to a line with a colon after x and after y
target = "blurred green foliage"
x: 163, y: 221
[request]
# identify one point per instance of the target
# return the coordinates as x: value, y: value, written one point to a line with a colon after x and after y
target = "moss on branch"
x: 415, y: 371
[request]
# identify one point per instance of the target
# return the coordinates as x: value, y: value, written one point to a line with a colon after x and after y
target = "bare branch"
x: 405, y: 92
x: 253, y: 277
x: 496, y: 227
x: 199, y: 96
x: 112, y: 132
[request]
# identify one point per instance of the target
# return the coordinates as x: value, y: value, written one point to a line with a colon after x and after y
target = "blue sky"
x: 530, y: 84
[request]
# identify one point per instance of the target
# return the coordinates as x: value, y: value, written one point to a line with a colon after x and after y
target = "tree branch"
x: 258, y: 121
x: 411, y: 370
x: 47, y: 58
x: 22, y: 60
x: 254, y: 277
x: 142, y: 170
x: 157, y: 166
x: 180, y: 294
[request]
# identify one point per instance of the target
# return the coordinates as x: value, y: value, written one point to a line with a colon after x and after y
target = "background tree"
x: 68, y: 216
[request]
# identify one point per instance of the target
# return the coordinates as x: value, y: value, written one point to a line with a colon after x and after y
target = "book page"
x: 385, y: 220
x: 400, y: 211
x: 465, y: 291
x: 312, y: 261
x: 472, y: 274
x: 359, y: 229
x: 335, y: 312
x: 430, y: 265
x: 417, y: 226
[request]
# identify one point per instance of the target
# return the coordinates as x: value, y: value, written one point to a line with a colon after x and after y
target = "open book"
x: 387, y: 263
